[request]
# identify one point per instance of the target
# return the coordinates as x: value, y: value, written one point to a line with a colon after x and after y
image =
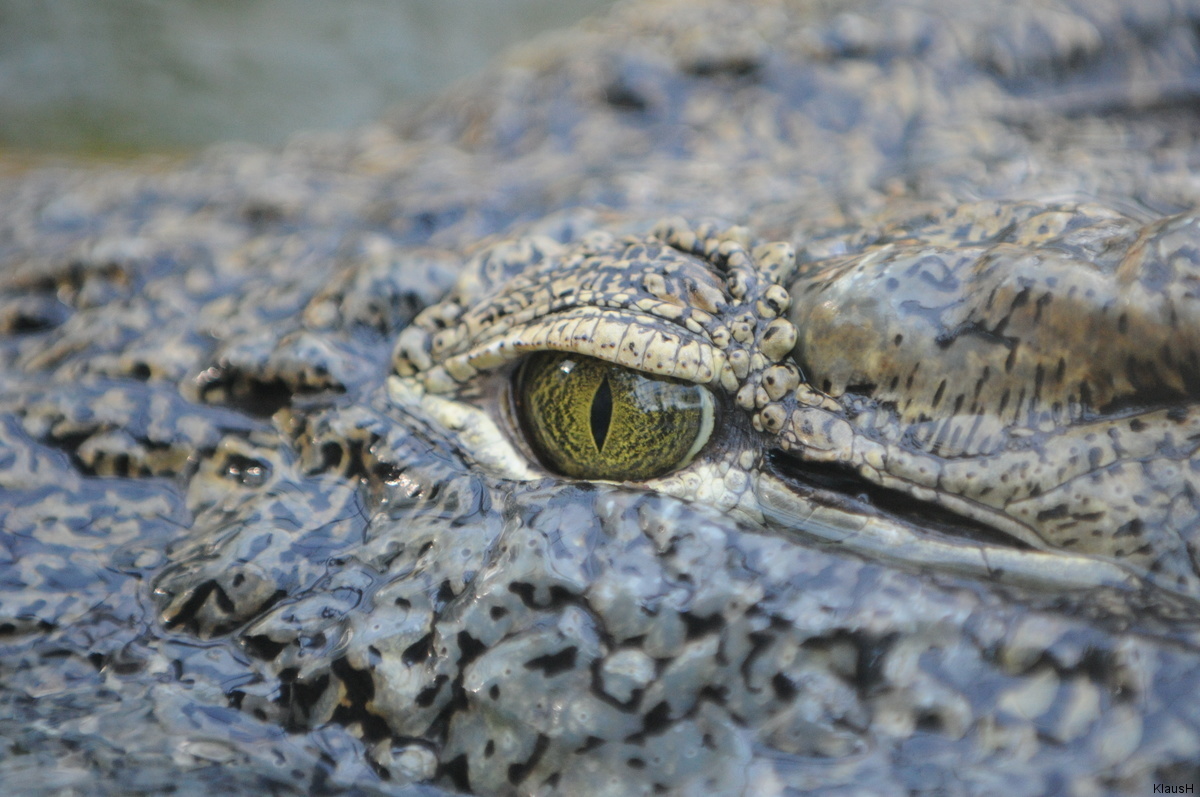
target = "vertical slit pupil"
x: 601, y: 413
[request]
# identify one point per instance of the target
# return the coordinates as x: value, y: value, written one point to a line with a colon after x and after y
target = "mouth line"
x: 839, y: 487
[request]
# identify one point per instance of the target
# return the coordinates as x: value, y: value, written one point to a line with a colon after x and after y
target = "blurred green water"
x: 131, y: 75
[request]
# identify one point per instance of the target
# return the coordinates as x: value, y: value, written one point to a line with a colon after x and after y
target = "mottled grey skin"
x: 253, y: 540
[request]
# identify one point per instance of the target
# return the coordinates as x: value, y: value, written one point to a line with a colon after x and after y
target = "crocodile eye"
x: 589, y: 419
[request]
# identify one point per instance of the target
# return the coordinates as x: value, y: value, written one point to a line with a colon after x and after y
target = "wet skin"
x: 276, y: 503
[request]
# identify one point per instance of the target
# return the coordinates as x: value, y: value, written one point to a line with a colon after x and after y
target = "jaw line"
x: 886, y: 538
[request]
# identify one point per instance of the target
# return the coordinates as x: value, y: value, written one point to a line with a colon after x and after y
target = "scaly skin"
x: 1094, y: 459
x: 262, y: 531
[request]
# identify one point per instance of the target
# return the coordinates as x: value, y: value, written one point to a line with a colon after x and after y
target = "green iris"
x: 589, y: 419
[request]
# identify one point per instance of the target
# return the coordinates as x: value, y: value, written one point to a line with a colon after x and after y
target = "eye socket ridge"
x: 591, y: 419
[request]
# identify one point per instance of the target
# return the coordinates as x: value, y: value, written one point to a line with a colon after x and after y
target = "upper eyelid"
x: 621, y: 337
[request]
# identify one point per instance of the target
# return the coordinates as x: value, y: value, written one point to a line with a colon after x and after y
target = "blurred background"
x: 123, y: 76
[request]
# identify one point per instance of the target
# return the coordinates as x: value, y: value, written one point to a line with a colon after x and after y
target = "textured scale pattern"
x: 266, y: 526
x: 1037, y: 457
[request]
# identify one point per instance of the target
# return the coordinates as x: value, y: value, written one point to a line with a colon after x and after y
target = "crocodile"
x: 748, y: 398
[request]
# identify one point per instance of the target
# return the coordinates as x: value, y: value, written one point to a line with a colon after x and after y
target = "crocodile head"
x: 304, y: 471
x: 1013, y: 448
x: 536, y: 581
